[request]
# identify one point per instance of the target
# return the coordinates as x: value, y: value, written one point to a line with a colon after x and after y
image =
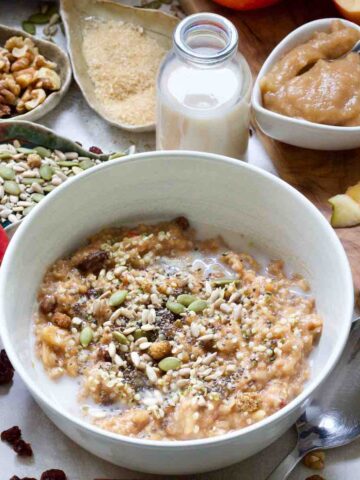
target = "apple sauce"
x: 317, y: 81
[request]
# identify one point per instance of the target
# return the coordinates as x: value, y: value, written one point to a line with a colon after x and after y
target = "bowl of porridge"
x: 181, y: 308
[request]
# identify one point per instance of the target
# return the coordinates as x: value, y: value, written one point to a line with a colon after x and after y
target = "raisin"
x: 53, y: 474
x: 6, y: 369
x: 94, y: 262
x: 11, y: 435
x: 22, y: 448
x: 103, y: 355
x: 95, y: 150
x: 48, y: 304
x: 182, y: 222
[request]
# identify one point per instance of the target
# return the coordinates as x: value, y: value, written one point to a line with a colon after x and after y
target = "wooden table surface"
x: 317, y: 174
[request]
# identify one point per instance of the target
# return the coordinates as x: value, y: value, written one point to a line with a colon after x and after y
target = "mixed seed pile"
x: 179, y: 350
x: 48, y: 16
x: 28, y: 174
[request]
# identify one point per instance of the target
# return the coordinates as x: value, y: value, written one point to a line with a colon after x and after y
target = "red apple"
x: 246, y: 4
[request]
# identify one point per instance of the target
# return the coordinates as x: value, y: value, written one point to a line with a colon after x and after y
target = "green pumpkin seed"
x: 175, y: 307
x: 49, y: 188
x: 30, y: 181
x: 46, y: 172
x: 68, y: 163
x: 116, y: 155
x: 120, y: 337
x: 37, y: 197
x: 138, y: 334
x: 5, y: 155
x: 86, y: 336
x: 85, y: 164
x: 118, y: 298
x: 7, y: 173
x: 25, y: 150
x: 77, y: 170
x: 186, y: 299
x: 27, y: 210
x: 39, y: 18
x: 12, y: 188
x: 29, y: 27
x: 224, y: 281
x: 42, y: 151
x: 197, y: 306
x: 169, y: 363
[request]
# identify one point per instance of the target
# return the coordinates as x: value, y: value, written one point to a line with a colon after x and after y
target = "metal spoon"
x: 333, y: 418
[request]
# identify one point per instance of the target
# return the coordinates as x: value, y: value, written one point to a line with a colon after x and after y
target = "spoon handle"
x: 283, y: 470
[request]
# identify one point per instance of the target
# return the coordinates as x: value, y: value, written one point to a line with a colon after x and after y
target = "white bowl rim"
x: 256, y: 95
x: 224, y: 438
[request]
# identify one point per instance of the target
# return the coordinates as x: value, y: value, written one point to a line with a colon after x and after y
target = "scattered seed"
x: 118, y: 298
x: 169, y: 363
x: 197, y: 306
x: 7, y: 173
x: 186, y: 299
x: 224, y: 281
x: 42, y: 151
x: 86, y: 336
x: 175, y: 307
x: 28, y: 27
x: 39, y: 18
x: 37, y: 197
x: 12, y: 188
x: 46, y: 172
x: 85, y: 164
x: 120, y: 337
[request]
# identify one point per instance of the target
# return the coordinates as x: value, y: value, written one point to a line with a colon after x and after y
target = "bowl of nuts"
x: 34, y: 75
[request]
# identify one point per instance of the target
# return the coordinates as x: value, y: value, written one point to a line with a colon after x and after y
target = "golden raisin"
x: 159, y: 350
x: 314, y: 460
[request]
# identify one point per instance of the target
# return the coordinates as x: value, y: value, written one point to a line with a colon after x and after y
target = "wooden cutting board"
x: 318, y: 175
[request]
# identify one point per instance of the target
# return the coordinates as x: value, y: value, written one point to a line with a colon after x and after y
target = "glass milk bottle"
x: 203, y: 90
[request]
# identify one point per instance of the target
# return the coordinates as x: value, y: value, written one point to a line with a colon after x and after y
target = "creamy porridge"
x: 172, y: 337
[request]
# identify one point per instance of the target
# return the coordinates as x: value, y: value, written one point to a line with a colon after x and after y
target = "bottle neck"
x: 205, y: 38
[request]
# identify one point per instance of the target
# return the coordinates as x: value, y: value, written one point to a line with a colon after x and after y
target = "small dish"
x: 294, y: 131
x: 157, y: 24
x: 51, y: 52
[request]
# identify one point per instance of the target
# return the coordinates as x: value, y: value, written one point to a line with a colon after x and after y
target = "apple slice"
x: 354, y: 192
x: 346, y: 212
x: 350, y: 9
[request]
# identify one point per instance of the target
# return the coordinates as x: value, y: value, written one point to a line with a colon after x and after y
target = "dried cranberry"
x: 182, y: 222
x: 11, y: 435
x: 22, y: 448
x: 53, y: 474
x: 95, y: 150
x: 6, y: 369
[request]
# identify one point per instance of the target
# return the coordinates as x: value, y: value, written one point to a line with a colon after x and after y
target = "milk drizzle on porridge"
x: 231, y: 360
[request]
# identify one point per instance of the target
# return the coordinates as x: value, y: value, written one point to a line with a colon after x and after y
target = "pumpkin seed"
x: 68, y: 163
x: 197, y: 306
x: 29, y: 27
x: 85, y: 164
x: 12, y: 188
x: 30, y: 181
x: 4, y: 155
x: 25, y: 150
x: 120, y: 337
x: 175, y: 307
x: 46, y: 172
x: 39, y: 18
x: 169, y: 363
x: 77, y: 170
x: 186, y: 299
x: 138, y: 334
x: 224, y: 281
x: 86, y: 336
x: 37, y: 197
x: 116, y: 155
x: 27, y: 210
x: 42, y: 151
x: 49, y: 188
x: 117, y: 298
x: 7, y: 173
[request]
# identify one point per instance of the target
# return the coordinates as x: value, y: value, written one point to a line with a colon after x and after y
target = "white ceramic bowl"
x: 301, y: 133
x: 210, y: 189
